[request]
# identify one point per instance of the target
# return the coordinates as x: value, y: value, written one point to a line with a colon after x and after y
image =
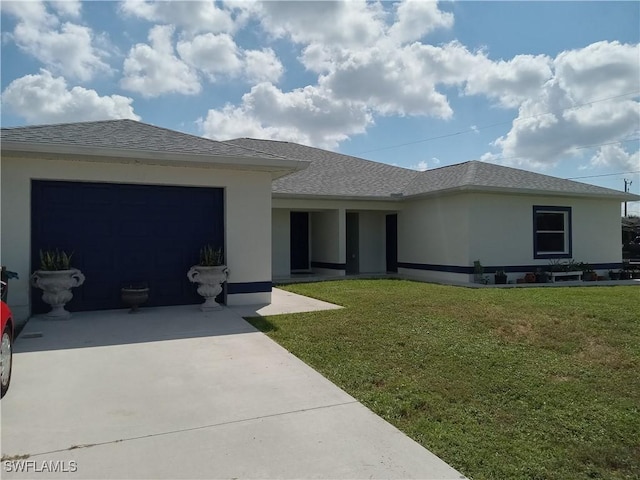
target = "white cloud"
x: 616, y: 157
x: 599, y: 70
x: 397, y: 80
x: 67, y: 8
x: 373, y: 61
x: 577, y: 108
x: 212, y: 54
x: 365, y: 67
x: 348, y: 24
x: 389, y: 83
x: 306, y: 115
x: 219, y: 56
x: 34, y: 13
x: 511, y: 82
x: 417, y: 18
x: 420, y: 166
x: 364, y: 61
x: 64, y: 48
x: 201, y: 16
x: 43, y: 98
x: 262, y: 66
x: 155, y: 70
x: 423, y: 165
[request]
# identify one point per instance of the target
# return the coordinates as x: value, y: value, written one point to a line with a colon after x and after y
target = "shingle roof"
x: 334, y: 174
x: 125, y: 135
x: 483, y: 175
x: 329, y: 174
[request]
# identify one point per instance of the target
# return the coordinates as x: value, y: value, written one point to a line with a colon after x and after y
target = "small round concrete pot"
x: 209, y: 280
x: 133, y: 297
x: 56, y: 288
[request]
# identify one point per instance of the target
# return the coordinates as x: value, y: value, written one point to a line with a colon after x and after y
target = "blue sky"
x: 552, y: 87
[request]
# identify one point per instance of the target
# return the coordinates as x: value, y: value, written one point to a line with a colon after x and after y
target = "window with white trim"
x: 551, y: 232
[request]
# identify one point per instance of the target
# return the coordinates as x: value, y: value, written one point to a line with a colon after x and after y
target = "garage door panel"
x: 95, y: 227
x: 97, y: 195
x: 130, y: 228
x: 170, y: 258
x: 60, y: 194
x: 126, y: 233
x: 103, y: 260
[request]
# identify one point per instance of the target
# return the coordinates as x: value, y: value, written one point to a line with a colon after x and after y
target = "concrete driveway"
x: 176, y: 393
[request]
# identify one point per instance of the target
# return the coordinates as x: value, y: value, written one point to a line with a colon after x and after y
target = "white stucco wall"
x: 281, y: 242
x: 497, y: 229
x: 326, y: 228
x: 506, y: 222
x: 434, y: 231
x: 372, y: 242
x: 247, y: 214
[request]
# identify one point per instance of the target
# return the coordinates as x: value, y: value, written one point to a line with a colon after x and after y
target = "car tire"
x: 6, y: 357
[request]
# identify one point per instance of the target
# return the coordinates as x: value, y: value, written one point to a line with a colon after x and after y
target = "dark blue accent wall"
x: 249, y: 287
x: 493, y: 268
x: 328, y: 265
x: 122, y: 233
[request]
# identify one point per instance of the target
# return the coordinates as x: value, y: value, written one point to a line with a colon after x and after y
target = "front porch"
x: 319, y: 242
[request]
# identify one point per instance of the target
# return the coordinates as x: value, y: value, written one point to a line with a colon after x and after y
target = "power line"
x: 604, y: 175
x: 484, y: 127
x: 582, y: 147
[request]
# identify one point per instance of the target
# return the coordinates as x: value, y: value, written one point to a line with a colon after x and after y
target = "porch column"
x: 328, y: 250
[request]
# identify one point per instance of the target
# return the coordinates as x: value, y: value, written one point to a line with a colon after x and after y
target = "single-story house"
x: 137, y: 202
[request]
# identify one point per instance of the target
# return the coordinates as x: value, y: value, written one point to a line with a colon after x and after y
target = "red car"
x: 6, y: 346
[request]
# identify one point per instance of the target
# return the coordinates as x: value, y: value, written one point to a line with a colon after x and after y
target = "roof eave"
x: 311, y: 196
x: 621, y: 196
x: 278, y: 167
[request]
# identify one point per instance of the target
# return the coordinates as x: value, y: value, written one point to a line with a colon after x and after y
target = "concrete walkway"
x: 176, y: 393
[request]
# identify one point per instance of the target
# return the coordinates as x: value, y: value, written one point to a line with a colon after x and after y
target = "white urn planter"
x: 56, y: 288
x: 209, y: 280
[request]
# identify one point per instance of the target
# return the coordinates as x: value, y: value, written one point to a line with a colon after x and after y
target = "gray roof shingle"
x: 483, y: 175
x: 332, y: 174
x: 335, y: 174
x: 125, y: 135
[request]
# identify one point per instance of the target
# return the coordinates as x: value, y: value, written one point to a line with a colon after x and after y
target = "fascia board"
x: 302, y: 196
x: 278, y: 167
x: 526, y: 191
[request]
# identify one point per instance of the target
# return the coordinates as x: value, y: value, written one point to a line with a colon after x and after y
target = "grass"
x: 535, y: 383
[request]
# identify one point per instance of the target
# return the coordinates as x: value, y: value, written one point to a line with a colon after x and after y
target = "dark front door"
x: 122, y: 233
x: 299, y: 241
x: 392, y: 243
x: 353, y: 242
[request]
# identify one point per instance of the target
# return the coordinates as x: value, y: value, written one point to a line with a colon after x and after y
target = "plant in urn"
x: 56, y: 278
x: 209, y: 274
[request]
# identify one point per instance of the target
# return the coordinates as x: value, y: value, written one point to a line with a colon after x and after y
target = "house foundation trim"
x: 492, y: 269
x: 329, y: 266
x: 248, y: 287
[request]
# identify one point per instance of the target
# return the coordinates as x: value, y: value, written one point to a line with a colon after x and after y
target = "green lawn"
x: 522, y: 383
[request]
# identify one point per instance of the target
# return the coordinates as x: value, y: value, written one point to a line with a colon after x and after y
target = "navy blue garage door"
x: 123, y: 234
